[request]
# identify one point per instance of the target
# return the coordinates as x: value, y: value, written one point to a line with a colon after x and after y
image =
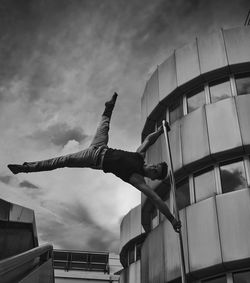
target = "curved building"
x: 203, y: 90
x: 132, y: 236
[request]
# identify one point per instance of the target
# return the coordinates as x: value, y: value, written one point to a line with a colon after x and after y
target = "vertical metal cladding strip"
x: 173, y: 186
x: 238, y: 120
x: 222, y: 32
x: 218, y: 225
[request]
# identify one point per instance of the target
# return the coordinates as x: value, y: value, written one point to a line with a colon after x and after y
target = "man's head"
x: 156, y: 171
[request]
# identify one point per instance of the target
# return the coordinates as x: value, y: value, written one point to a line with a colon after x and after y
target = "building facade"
x: 132, y: 236
x: 85, y: 266
x: 21, y: 257
x: 203, y: 90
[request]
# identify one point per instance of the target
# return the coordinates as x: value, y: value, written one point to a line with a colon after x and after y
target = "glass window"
x: 175, y: 110
x: 243, y: 84
x: 204, y: 184
x: 138, y: 251
x: 221, y: 279
x: 220, y: 90
x: 131, y: 255
x: 161, y: 118
x: 195, y: 99
x: 233, y: 176
x: 182, y: 194
x: 241, y: 277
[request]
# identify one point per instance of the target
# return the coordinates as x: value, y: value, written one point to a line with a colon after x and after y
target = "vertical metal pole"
x: 176, y: 211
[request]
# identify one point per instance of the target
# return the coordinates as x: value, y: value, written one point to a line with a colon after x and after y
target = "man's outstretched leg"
x: 84, y: 158
x: 101, y: 136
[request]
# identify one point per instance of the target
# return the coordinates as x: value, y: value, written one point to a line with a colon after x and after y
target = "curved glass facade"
x: 208, y: 92
x: 203, y: 91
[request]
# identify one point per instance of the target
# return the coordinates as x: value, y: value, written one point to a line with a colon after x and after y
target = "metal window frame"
x: 217, y: 178
x: 191, y: 189
x: 246, y: 163
x: 233, y: 85
x: 207, y: 93
x: 217, y: 185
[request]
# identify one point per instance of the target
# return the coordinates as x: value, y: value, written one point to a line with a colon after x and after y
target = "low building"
x: 71, y: 266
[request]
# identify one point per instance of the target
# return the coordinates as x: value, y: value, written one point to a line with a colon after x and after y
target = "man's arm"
x: 139, y: 183
x: 149, y: 140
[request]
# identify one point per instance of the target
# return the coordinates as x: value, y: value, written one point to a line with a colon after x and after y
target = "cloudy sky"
x: 60, y: 60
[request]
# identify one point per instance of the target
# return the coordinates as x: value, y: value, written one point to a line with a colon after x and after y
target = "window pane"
x: 221, y: 279
x: 175, y: 111
x: 138, y: 251
x: 131, y: 255
x: 220, y: 90
x: 182, y: 194
x: 233, y: 177
x: 195, y: 100
x: 242, y: 277
x: 204, y: 184
x: 243, y: 84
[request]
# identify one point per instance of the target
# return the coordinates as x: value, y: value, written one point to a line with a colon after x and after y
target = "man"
x: 128, y: 166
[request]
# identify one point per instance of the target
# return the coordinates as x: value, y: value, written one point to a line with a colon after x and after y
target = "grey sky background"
x: 60, y: 61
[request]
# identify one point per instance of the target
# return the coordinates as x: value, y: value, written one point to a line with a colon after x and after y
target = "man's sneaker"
x: 112, y: 101
x: 15, y: 168
x: 109, y: 106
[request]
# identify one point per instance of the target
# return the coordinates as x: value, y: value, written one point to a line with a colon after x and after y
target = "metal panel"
x: 42, y: 274
x: 167, y: 77
x: 203, y: 235
x: 152, y: 92
x: 171, y: 248
x: 243, y: 110
x: 194, y: 136
x: 138, y: 271
x: 4, y: 210
x: 234, y: 225
x: 21, y: 214
x: 124, y: 276
x: 175, y: 145
x: 134, y: 275
x: 125, y: 231
x: 131, y: 274
x: 145, y: 262
x: 187, y: 63
x: 156, y: 258
x: 212, y: 53
x: 223, y: 126
x: 144, y: 112
x: 135, y: 222
x: 237, y: 43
